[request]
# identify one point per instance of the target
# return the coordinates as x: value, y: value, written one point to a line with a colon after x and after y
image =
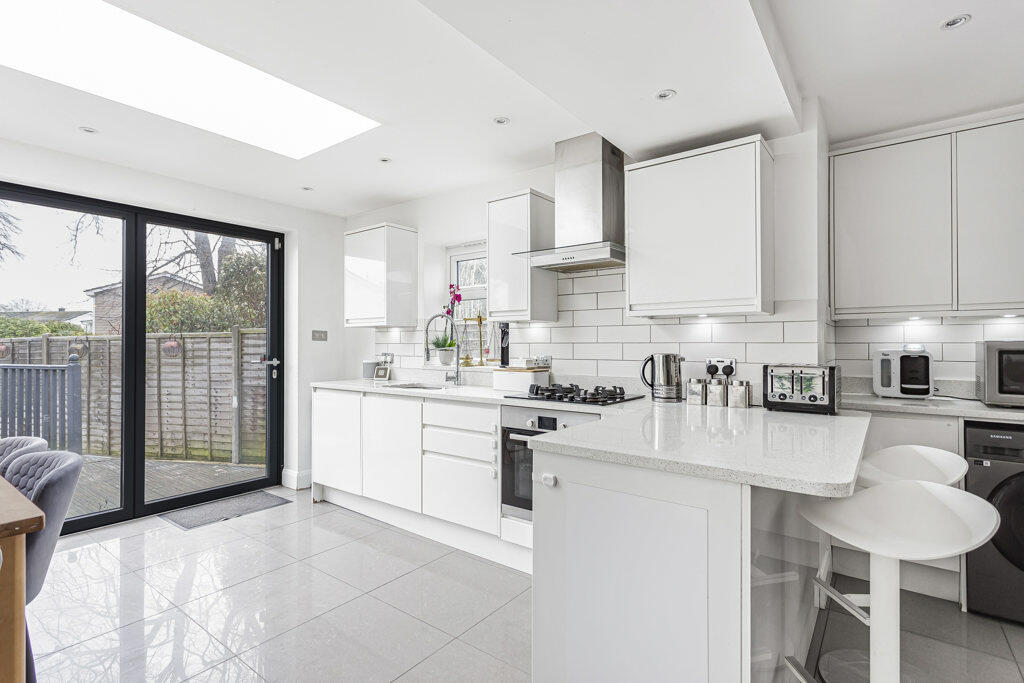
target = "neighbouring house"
x: 83, y: 319
x: 107, y: 304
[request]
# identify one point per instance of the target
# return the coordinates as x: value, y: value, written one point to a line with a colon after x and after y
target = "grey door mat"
x: 218, y: 510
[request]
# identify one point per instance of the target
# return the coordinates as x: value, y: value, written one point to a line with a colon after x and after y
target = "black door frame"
x: 133, y: 350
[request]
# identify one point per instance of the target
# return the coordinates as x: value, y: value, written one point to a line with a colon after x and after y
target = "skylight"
x: 93, y: 46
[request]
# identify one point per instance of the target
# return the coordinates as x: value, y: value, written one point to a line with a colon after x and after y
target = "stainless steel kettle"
x: 666, y: 382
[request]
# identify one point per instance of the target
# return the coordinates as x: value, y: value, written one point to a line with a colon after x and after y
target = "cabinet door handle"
x: 494, y: 473
x: 547, y: 479
x: 494, y: 443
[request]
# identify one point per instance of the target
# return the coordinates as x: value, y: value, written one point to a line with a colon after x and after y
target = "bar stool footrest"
x: 849, y: 603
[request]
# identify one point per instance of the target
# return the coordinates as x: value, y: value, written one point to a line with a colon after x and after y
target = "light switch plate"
x: 319, y: 335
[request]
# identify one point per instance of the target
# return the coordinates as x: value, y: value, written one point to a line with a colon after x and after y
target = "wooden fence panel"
x: 192, y: 399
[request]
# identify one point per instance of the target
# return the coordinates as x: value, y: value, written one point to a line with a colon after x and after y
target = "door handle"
x: 263, y: 361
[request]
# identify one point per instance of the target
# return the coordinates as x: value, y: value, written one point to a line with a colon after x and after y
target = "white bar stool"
x: 910, y: 462
x: 893, y: 521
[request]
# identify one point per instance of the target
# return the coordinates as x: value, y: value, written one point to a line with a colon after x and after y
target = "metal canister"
x: 739, y: 393
x: 716, y: 393
x: 696, y: 391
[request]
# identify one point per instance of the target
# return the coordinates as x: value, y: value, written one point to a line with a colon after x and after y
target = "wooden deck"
x: 99, y: 487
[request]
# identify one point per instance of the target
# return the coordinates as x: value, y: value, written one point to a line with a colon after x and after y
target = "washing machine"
x: 995, y: 571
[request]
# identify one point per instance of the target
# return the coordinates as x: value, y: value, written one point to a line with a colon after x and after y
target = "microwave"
x: 999, y: 373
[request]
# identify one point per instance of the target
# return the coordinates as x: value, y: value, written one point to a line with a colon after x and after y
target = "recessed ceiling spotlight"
x: 385, y: 160
x: 1009, y: 315
x: 88, y: 129
x: 956, y: 22
x: 666, y: 94
x: 307, y: 188
x: 502, y: 120
x: 702, y: 315
x: 915, y: 317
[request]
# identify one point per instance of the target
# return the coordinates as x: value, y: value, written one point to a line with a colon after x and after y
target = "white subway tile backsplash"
x: 954, y: 370
x: 618, y: 368
x: 577, y: 302
x: 597, y: 351
x: 529, y: 335
x: 623, y: 333
x: 942, y: 333
x: 1003, y: 332
x: 958, y: 352
x: 573, y: 334
x: 641, y: 351
x: 782, y: 353
x: 747, y: 332
x: 609, y: 300
x: 701, y: 352
x: 933, y: 348
x: 681, y: 333
x: 639, y: 320
x: 852, y: 352
x: 518, y: 350
x: 599, y: 317
x: 565, y: 286
x: 856, y: 368
x: 574, y: 367
x: 553, y: 350
x: 790, y: 310
x: 800, y: 331
x: 387, y: 336
x: 889, y: 333
x: 598, y: 283
x: 413, y: 337
x: 404, y: 349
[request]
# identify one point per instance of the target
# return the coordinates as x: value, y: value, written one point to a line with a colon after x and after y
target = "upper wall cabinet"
x: 990, y: 216
x: 892, y: 228
x: 380, y: 276
x: 516, y: 223
x: 699, y: 232
x: 906, y: 238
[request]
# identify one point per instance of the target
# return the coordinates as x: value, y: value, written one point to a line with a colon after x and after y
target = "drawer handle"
x: 547, y: 479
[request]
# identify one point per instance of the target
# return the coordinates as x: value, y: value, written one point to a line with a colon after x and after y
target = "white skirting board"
x: 469, y: 540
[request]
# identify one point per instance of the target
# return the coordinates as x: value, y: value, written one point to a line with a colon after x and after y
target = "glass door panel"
x: 61, y: 326
x: 206, y: 385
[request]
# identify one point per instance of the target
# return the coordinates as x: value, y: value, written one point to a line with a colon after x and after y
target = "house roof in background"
x: 185, y: 282
x: 45, y: 316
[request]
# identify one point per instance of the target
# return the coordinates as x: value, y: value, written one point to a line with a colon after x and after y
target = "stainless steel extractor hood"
x: 589, y: 207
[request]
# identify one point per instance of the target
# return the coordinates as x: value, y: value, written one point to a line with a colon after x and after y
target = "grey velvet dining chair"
x: 13, y: 446
x: 48, y: 479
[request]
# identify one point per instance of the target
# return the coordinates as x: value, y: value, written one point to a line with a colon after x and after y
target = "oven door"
x: 516, y: 473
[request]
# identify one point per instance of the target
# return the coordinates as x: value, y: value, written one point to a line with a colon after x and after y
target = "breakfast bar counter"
x: 668, y: 543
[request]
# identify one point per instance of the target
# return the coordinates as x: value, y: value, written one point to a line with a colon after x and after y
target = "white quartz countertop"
x: 475, y: 395
x: 804, y: 453
x: 934, y: 405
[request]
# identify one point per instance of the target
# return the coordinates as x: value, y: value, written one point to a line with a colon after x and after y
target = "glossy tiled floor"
x: 939, y: 643
x: 300, y: 592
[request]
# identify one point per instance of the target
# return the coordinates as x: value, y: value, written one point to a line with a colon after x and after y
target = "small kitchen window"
x: 467, y: 267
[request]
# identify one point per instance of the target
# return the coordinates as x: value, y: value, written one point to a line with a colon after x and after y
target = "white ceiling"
x: 605, y: 61
x: 434, y: 92
x: 879, y: 65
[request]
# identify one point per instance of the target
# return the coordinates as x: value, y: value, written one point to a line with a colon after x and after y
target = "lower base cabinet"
x: 392, y: 448
x: 461, y: 491
x: 336, y: 451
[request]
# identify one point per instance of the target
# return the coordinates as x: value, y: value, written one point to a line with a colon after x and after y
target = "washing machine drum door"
x: 1008, y: 499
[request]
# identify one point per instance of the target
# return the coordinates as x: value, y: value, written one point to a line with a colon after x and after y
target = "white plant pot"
x: 446, y: 356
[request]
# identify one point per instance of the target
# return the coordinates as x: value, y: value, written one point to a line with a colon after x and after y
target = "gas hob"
x: 557, y: 393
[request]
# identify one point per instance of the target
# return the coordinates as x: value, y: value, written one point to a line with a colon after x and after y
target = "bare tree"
x: 84, y: 222
x: 8, y: 231
x: 17, y: 305
x: 191, y: 254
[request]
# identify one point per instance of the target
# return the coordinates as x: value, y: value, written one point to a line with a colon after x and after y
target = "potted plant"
x: 445, y: 346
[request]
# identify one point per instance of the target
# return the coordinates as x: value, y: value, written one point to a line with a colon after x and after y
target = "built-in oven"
x: 999, y: 373
x: 518, y: 424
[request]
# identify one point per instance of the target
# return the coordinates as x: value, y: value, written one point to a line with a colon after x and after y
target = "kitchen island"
x: 667, y: 545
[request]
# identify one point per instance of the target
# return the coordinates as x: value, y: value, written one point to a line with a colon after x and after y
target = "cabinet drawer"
x: 474, y: 445
x: 475, y: 418
x: 461, y: 491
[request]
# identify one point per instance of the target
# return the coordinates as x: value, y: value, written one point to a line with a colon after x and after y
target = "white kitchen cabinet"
x: 990, y: 216
x: 700, y: 232
x: 392, y: 449
x: 892, y: 228
x: 520, y: 222
x: 638, y: 575
x: 895, y: 429
x: 381, y: 276
x: 461, y: 490
x: 336, y: 451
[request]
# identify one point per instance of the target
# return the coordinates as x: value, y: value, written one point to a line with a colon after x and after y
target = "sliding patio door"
x: 147, y: 342
x: 210, y: 360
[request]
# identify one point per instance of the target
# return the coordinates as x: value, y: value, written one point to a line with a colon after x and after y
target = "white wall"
x: 313, y: 288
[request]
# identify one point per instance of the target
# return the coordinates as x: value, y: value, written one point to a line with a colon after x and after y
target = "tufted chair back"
x: 13, y: 446
x: 48, y: 479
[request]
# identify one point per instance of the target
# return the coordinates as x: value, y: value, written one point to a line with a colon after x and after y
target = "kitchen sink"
x: 416, y: 385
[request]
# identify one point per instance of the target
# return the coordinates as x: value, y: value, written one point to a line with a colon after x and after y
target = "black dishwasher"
x: 995, y: 571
